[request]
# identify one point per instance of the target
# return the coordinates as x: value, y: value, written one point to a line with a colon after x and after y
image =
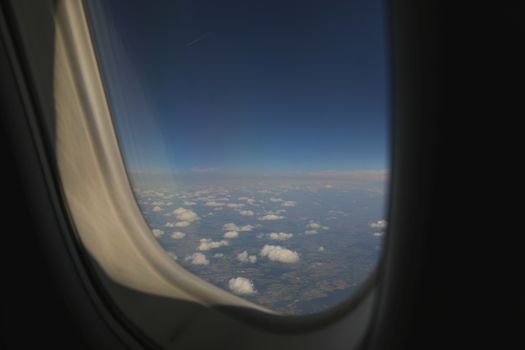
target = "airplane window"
x: 256, y: 138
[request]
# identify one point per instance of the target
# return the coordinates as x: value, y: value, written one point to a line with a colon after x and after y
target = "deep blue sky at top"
x: 251, y: 85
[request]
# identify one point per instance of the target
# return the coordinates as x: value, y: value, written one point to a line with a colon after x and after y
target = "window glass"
x: 256, y: 137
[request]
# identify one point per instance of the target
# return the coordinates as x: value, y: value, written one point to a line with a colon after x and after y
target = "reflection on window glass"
x: 256, y: 138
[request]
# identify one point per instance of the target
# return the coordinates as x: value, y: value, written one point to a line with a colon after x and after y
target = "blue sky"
x: 248, y: 85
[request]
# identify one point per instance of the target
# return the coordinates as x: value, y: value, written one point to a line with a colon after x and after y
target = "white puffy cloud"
x: 230, y: 227
x: 169, y: 224
x: 313, y: 225
x: 157, y: 208
x: 245, y: 258
x: 280, y: 254
x: 251, y: 201
x: 280, y: 236
x: 233, y: 227
x: 218, y: 255
x: 189, y: 203
x: 271, y: 217
x: 157, y: 232
x: 178, y: 235
x: 241, y: 286
x: 197, y: 259
x: 289, y: 204
x: 213, y: 203
x: 321, y: 249
x: 182, y: 224
x: 235, y: 205
x: 379, y: 224
x: 377, y: 234
x: 276, y: 200
x: 186, y: 215
x: 246, y: 212
x: 231, y: 234
x: 310, y: 232
x: 207, y: 244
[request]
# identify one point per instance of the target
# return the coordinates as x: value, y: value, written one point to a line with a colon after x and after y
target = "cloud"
x: 313, y: 226
x: 157, y: 232
x: 231, y: 234
x: 230, y: 227
x: 246, y: 212
x: 321, y: 249
x: 182, y: 224
x: 378, y: 234
x: 157, y: 208
x: 362, y: 175
x: 218, y: 255
x: 199, y: 169
x: 173, y: 255
x: 276, y: 200
x: 380, y: 224
x: 245, y: 258
x: 280, y: 254
x: 207, y: 244
x: 158, y: 203
x: 233, y: 227
x: 235, y: 205
x: 186, y: 215
x: 271, y: 217
x: 213, y: 203
x: 289, y: 204
x: 241, y: 286
x: 197, y: 259
x: 310, y: 232
x: 178, y: 235
x: 251, y: 201
x: 280, y: 236
x: 169, y: 224
x: 189, y: 203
